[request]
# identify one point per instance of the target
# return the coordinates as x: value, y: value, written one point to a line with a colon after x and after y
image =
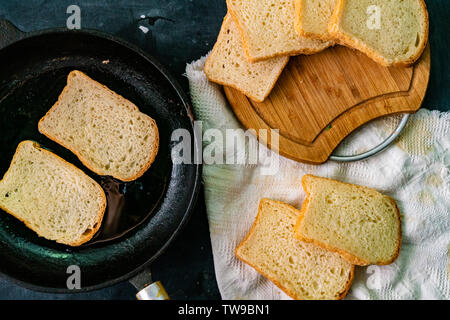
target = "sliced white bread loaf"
x: 359, y: 223
x: 227, y: 65
x: 312, y: 18
x: 391, y: 32
x: 304, y: 271
x: 107, y: 132
x: 267, y: 29
x: 51, y: 196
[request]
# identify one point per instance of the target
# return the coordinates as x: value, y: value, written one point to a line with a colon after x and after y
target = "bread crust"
x: 85, y: 162
x: 100, y: 215
x: 346, y: 255
x: 347, y: 40
x: 290, y: 293
x: 250, y: 58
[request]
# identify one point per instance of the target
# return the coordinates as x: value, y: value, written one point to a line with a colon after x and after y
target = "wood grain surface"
x: 322, y: 98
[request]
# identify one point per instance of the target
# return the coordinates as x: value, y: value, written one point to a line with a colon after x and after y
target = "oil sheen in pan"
x: 122, y: 214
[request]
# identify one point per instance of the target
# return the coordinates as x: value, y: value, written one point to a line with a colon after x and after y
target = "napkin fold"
x: 415, y: 171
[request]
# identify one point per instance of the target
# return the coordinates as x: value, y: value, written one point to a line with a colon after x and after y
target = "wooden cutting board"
x: 322, y: 98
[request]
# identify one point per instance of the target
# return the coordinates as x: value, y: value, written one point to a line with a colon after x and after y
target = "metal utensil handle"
x: 154, y: 291
x: 147, y: 289
x: 382, y: 146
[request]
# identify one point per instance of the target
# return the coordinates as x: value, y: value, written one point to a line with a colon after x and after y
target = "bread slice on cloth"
x: 302, y: 270
x: 267, y: 28
x: 391, y: 32
x: 359, y: 223
x: 312, y: 18
x: 227, y: 65
x: 51, y: 196
x: 107, y: 132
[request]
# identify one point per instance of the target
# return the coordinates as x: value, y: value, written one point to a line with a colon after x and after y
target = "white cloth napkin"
x: 415, y: 171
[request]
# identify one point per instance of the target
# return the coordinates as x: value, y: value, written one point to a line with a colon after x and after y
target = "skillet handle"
x: 154, y: 291
x: 9, y: 33
x: 147, y: 289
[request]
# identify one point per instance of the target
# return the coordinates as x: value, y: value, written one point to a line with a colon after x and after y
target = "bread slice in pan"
x: 302, y: 270
x: 359, y: 223
x: 391, y: 32
x: 227, y: 65
x: 312, y: 18
x: 107, y: 132
x: 51, y: 196
x: 267, y: 28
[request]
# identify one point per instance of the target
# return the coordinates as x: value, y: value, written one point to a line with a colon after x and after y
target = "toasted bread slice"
x: 51, y: 196
x: 304, y: 271
x: 227, y: 65
x: 312, y: 18
x: 107, y: 132
x: 359, y: 223
x: 267, y: 29
x: 391, y: 32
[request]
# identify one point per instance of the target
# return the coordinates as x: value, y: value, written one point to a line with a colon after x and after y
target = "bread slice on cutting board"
x: 227, y: 65
x: 391, y: 32
x: 267, y: 29
x: 302, y: 270
x: 359, y: 223
x: 107, y: 132
x: 51, y: 196
x: 312, y: 18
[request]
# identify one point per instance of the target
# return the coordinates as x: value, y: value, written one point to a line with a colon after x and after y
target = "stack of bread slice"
x: 228, y: 65
x: 258, y: 36
x: 255, y: 42
x: 311, y: 253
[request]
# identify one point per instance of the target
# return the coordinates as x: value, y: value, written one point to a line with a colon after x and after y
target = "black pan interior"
x: 32, y: 74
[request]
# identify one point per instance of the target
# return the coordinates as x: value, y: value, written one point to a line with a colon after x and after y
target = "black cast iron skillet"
x: 143, y: 216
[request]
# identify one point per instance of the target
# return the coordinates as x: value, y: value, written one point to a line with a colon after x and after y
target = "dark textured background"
x: 186, y: 269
